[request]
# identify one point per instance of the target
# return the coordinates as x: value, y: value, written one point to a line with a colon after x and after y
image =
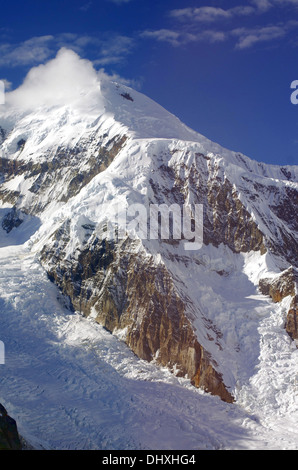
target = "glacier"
x: 69, y: 156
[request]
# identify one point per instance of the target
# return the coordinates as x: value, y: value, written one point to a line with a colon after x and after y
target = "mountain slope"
x: 71, y: 385
x: 69, y: 161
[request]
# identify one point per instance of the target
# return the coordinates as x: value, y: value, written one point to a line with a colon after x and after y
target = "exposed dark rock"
x: 278, y: 288
x: 127, y: 96
x: 281, y: 285
x: 2, y: 134
x: 9, y: 167
x: 225, y: 218
x: 292, y: 319
x: 229, y: 221
x: 129, y: 291
x: 281, y: 222
x: 21, y: 144
x: 9, y: 436
x: 11, y: 220
x: 59, y: 173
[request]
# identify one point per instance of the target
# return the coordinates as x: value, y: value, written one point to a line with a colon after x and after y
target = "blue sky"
x: 223, y: 67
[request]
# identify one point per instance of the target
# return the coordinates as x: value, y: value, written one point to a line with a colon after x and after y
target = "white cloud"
x: 176, y: 38
x: 212, y: 36
x: 172, y: 37
x: 248, y: 37
x: 115, y: 48
x: 204, y: 14
x: 7, y: 84
x: 34, y: 50
x: 211, y: 14
x: 197, y: 20
x: 131, y: 82
x: 59, y: 81
x: 265, y: 5
x: 105, y: 49
x: 66, y: 79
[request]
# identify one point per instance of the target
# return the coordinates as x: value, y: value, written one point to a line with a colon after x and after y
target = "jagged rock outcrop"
x: 292, y: 319
x: 56, y: 173
x: 125, y: 290
x: 226, y: 219
x: 11, y: 220
x: 279, y: 287
x: 9, y: 436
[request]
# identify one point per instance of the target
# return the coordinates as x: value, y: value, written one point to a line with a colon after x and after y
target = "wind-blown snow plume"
x: 62, y: 81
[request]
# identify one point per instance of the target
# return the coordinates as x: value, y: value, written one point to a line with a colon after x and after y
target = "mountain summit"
x: 76, y: 146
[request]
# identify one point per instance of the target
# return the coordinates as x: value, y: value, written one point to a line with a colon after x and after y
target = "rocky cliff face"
x: 56, y: 172
x: 279, y: 287
x: 129, y: 294
x: 292, y: 319
x: 142, y: 289
x: 123, y: 287
x: 9, y: 436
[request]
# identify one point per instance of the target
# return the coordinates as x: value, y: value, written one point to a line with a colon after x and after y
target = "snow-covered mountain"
x: 222, y: 317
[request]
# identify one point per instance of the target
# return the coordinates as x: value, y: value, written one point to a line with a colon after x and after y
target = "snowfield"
x: 69, y: 383
x: 72, y: 385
